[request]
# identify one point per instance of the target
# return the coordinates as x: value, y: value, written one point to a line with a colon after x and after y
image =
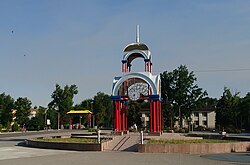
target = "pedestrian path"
x: 125, y: 143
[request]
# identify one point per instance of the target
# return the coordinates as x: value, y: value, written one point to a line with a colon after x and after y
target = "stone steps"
x: 124, y: 143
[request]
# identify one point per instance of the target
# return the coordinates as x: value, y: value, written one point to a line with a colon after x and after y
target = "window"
x: 204, y: 123
x: 196, y: 123
x: 204, y: 114
x: 196, y: 114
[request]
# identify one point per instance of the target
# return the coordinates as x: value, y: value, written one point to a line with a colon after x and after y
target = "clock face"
x: 136, y: 90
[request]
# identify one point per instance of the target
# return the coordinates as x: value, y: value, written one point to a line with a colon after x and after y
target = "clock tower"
x: 137, y: 86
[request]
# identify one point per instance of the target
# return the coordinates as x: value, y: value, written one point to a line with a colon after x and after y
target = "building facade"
x: 204, y: 119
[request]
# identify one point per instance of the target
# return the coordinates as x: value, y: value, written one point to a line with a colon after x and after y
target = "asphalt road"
x: 13, y: 154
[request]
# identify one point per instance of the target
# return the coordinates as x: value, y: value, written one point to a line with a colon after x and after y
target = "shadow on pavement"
x: 243, y: 157
x: 11, y: 140
x: 133, y: 148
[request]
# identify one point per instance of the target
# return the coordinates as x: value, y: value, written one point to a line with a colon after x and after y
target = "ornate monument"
x: 137, y: 86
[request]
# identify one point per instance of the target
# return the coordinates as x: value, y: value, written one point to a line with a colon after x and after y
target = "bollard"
x: 99, y: 136
x: 141, y: 137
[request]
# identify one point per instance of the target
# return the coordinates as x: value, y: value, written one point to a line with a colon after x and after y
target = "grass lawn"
x: 70, y: 140
x: 181, y: 141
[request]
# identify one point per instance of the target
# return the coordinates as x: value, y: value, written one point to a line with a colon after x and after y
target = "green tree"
x: 22, y: 105
x: 206, y: 103
x: 179, y: 92
x: 134, y: 117
x: 227, y: 110
x: 102, y: 108
x: 245, y: 112
x: 38, y: 122
x: 85, y: 104
x: 62, y: 100
x: 52, y: 115
x: 35, y: 124
x: 6, y: 105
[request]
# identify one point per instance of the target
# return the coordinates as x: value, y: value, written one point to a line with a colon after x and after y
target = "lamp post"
x: 58, y: 118
x: 180, y: 124
x: 91, y: 108
x: 93, y: 121
x: 45, y: 119
x: 80, y: 118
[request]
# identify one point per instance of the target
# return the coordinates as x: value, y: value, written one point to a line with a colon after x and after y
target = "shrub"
x: 91, y: 130
x: 181, y: 130
x: 200, y: 128
x: 8, y: 127
x: 1, y: 127
x: 232, y: 130
x: 35, y: 124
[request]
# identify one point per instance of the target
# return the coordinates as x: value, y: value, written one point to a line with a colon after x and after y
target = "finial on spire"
x: 137, y: 33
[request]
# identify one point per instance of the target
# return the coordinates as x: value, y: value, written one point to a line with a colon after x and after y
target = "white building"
x: 203, y: 118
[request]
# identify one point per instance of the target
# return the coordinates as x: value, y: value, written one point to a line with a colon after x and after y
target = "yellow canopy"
x: 79, y: 111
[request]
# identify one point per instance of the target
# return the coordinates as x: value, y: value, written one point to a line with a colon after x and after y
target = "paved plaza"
x: 13, y: 154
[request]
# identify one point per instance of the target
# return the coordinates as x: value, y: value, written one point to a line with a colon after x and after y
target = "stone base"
x: 202, y: 148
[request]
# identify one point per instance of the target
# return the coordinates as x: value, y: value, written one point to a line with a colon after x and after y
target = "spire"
x: 137, y: 33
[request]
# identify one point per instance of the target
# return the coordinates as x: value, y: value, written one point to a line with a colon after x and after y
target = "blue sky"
x: 81, y: 41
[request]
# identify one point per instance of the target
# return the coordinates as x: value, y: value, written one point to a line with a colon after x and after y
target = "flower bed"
x: 66, y: 143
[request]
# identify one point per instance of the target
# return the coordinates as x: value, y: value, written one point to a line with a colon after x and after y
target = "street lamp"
x: 58, y: 121
x: 180, y: 124
x: 58, y: 118
x: 91, y: 108
x: 80, y: 118
x: 45, y: 118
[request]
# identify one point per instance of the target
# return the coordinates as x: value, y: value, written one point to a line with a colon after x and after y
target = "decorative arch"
x: 135, y: 75
x: 125, y: 88
x: 133, y: 54
x: 144, y: 55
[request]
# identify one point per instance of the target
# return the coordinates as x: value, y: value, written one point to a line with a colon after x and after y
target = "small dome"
x: 135, y: 46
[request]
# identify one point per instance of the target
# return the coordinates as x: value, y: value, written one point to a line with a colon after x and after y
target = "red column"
x: 155, y: 116
x: 151, y: 116
x: 160, y: 116
x: 123, y: 117
x: 126, y: 126
x: 89, y: 119
x: 117, y: 124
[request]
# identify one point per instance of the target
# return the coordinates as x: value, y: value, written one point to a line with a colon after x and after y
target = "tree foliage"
x: 179, y: 91
x: 102, y: 108
x: 62, y: 99
x: 52, y: 116
x: 133, y: 113
x: 22, y: 105
x: 244, y: 115
x: 227, y: 110
x: 38, y: 122
x: 6, y: 105
x: 206, y: 104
